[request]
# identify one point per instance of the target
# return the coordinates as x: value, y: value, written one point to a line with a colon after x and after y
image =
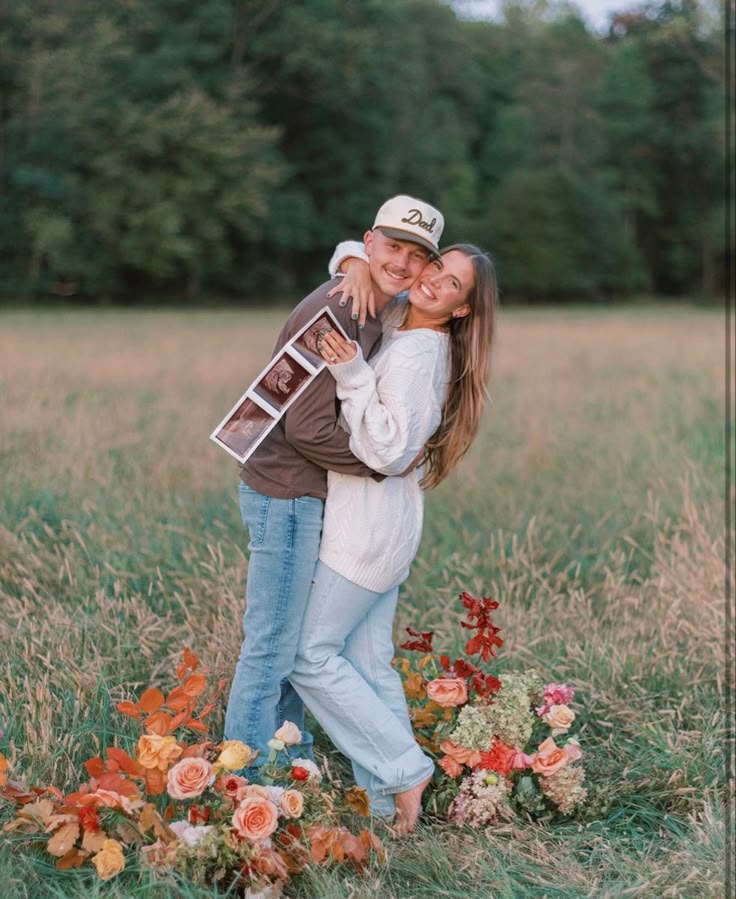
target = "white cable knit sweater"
x: 391, y: 407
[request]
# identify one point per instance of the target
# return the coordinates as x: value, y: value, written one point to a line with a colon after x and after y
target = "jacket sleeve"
x: 311, y: 427
x: 391, y: 418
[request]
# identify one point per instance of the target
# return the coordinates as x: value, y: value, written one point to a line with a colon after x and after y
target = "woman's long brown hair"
x: 467, y: 392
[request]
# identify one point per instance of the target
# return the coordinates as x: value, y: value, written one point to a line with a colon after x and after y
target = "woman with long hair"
x: 412, y: 414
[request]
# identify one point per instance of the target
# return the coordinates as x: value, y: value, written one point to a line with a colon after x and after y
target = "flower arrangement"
x: 503, y: 744
x: 180, y: 805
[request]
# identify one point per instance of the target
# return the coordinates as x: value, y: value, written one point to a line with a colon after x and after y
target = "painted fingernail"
x: 355, y: 316
x: 343, y: 302
x: 361, y: 327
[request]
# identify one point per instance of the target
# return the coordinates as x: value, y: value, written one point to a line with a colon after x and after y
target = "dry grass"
x: 590, y: 506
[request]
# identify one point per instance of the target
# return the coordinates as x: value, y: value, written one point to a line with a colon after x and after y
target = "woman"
x: 422, y: 395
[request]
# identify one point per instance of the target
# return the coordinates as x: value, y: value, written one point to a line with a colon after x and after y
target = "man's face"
x: 394, y: 264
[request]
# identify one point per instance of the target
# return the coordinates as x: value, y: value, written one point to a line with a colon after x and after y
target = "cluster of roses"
x: 183, y: 807
x: 494, y: 738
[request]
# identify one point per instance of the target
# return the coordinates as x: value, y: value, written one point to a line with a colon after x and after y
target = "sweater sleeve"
x: 345, y: 250
x: 392, y: 416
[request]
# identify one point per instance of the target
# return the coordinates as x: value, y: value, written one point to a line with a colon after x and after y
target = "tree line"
x: 179, y: 148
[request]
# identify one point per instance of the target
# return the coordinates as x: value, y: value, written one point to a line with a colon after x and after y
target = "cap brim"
x: 398, y: 234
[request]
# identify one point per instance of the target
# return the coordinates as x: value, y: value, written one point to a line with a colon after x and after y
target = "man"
x: 284, y: 484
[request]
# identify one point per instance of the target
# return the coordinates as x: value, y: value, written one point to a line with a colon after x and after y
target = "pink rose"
x: 448, y: 691
x: 189, y: 778
x: 289, y: 734
x: 521, y: 760
x: 255, y: 819
x: 555, y: 694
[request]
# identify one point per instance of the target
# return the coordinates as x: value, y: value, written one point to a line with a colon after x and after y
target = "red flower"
x: 299, y: 773
x: 89, y: 819
x: 424, y: 644
x: 199, y: 815
x: 499, y: 758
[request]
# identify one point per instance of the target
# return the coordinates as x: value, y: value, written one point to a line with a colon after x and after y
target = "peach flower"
x: 469, y: 757
x: 189, y: 778
x: 234, y: 755
x: 549, y: 758
x: 255, y: 819
x: 289, y: 734
x: 448, y: 691
x: 231, y: 785
x: 158, y: 752
x: 450, y: 766
x: 110, y: 860
x: 573, y: 750
x: 292, y: 803
x: 559, y: 718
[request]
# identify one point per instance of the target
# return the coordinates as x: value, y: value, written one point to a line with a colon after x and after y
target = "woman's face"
x: 442, y: 289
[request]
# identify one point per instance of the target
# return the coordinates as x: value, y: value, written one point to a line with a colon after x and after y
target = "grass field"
x: 591, y: 506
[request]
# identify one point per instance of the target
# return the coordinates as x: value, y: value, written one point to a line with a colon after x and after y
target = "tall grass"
x: 591, y: 506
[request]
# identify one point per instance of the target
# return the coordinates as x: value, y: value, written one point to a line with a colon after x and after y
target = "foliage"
x: 228, y: 146
x: 494, y: 739
x: 180, y: 805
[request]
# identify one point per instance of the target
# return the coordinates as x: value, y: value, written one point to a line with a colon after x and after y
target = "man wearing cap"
x: 284, y: 484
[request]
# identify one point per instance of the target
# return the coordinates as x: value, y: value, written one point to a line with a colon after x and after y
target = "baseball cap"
x: 406, y: 218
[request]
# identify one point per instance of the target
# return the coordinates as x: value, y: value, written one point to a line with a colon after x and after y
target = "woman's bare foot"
x: 408, y: 805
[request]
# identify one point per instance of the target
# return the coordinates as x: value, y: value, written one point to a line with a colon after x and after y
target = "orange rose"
x: 292, y: 803
x: 158, y: 752
x: 448, y: 691
x: 289, y: 734
x: 255, y: 819
x: 549, y: 758
x: 189, y: 778
x: 110, y: 860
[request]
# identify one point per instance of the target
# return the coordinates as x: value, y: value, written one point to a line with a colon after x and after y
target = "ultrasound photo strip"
x: 280, y: 383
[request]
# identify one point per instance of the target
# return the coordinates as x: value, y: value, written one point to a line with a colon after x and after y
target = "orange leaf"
x: 196, y: 750
x: 178, y: 699
x: 194, y: 684
x: 128, y: 708
x: 159, y: 723
x: 178, y: 720
x: 92, y: 840
x: 192, y: 724
x: 64, y: 839
x: 73, y: 859
x: 151, y: 700
x: 95, y: 766
x: 111, y: 780
x: 155, y: 781
x: 125, y: 762
x: 190, y: 659
x: 206, y: 710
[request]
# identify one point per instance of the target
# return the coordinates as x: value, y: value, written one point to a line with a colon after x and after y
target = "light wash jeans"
x: 284, y: 545
x: 343, y: 673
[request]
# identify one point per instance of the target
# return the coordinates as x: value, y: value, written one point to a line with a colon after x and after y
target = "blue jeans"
x: 344, y: 674
x: 284, y: 545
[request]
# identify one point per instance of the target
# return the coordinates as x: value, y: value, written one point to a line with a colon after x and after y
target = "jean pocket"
x: 254, y: 512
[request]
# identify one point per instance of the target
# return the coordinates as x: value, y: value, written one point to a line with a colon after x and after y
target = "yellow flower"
x: 158, y: 752
x: 110, y: 860
x: 234, y: 755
